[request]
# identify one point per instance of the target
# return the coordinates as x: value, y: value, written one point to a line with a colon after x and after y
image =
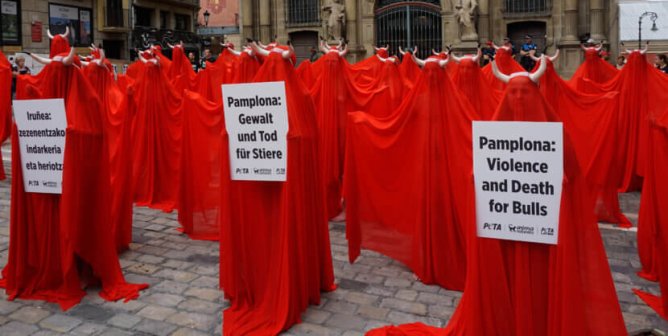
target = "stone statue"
x: 465, y: 13
x: 336, y: 22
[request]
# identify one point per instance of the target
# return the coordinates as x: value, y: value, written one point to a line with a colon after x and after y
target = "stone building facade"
x: 119, y: 25
x: 561, y: 24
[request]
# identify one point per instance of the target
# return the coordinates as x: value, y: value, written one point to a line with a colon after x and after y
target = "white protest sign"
x: 256, y: 117
x: 41, y: 127
x: 518, y: 170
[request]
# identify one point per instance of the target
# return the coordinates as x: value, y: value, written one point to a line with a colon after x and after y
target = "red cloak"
x: 403, y: 173
x: 5, y: 105
x: 156, y: 137
x: 274, y: 242
x: 507, y: 65
x: 653, y: 220
x: 591, y: 121
x: 471, y: 81
x: 518, y: 288
x: 593, y: 69
x: 53, y: 236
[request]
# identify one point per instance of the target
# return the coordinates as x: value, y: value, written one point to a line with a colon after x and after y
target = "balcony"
x: 526, y: 8
x: 303, y: 13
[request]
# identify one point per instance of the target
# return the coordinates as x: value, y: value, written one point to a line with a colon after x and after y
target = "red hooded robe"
x: 274, y: 242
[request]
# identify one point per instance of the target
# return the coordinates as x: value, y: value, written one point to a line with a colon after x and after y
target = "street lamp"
x: 206, y: 17
x: 652, y: 16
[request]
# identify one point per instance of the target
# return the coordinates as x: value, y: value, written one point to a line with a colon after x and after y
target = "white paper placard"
x: 256, y: 117
x: 518, y: 171
x: 41, y: 127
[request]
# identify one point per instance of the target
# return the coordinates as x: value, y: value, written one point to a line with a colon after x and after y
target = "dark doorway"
x: 537, y: 29
x: 303, y: 41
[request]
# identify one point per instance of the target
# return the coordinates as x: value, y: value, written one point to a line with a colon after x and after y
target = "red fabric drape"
x: 117, y: 123
x: 593, y: 69
x: 517, y: 288
x: 181, y: 73
x: 471, y: 81
x: 53, y: 236
x: 334, y: 95
x: 276, y: 231
x: 507, y: 65
x: 199, y: 193
x: 592, y: 122
x: 408, y: 69
x: 5, y: 105
x: 156, y: 138
x: 403, y: 173
x: 653, y: 220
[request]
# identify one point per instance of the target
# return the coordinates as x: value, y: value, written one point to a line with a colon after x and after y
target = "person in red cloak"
x: 181, y: 72
x: 275, y: 253
x: 402, y: 172
x: 117, y: 122
x: 334, y: 95
x: 408, y: 69
x: 639, y: 81
x: 520, y: 288
x: 505, y: 61
x: 366, y: 71
x: 215, y: 74
x: 59, y: 242
x: 593, y: 69
x: 653, y: 216
x: 591, y: 120
x: 5, y: 105
x: 469, y: 79
x: 156, y: 133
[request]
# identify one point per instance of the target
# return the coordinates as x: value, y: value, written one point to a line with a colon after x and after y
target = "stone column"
x: 570, y: 21
x: 597, y: 9
x: 265, y: 22
x: 483, y: 21
x: 247, y: 19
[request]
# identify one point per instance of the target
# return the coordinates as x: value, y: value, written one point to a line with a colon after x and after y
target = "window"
x: 114, y: 13
x: 10, y: 22
x: 303, y: 12
x: 408, y: 24
x: 181, y: 22
x: 527, y: 6
x: 163, y: 19
x: 79, y: 21
x: 143, y: 16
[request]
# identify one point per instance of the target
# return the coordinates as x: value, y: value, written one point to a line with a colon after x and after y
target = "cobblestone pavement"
x: 184, y: 300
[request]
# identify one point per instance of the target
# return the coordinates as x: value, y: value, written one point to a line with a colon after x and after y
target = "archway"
x: 409, y: 23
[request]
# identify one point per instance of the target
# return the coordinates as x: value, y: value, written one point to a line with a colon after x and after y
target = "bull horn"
x: 457, y: 59
x: 419, y: 62
x: 477, y: 56
x: 554, y: 58
x: 69, y: 59
x: 434, y: 52
x: 401, y: 51
x: 443, y: 63
x: 258, y: 49
x: 502, y: 77
x: 100, y: 61
x: 376, y: 48
x: 40, y: 59
x: 415, y: 51
x: 533, y: 57
x: 644, y: 50
x: 48, y: 33
x: 600, y: 46
x: 344, y: 52
x: 535, y: 77
x: 67, y: 32
x: 288, y: 53
x: 340, y: 44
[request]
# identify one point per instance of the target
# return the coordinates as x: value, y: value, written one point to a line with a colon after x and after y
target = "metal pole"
x: 640, y: 32
x: 408, y: 26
